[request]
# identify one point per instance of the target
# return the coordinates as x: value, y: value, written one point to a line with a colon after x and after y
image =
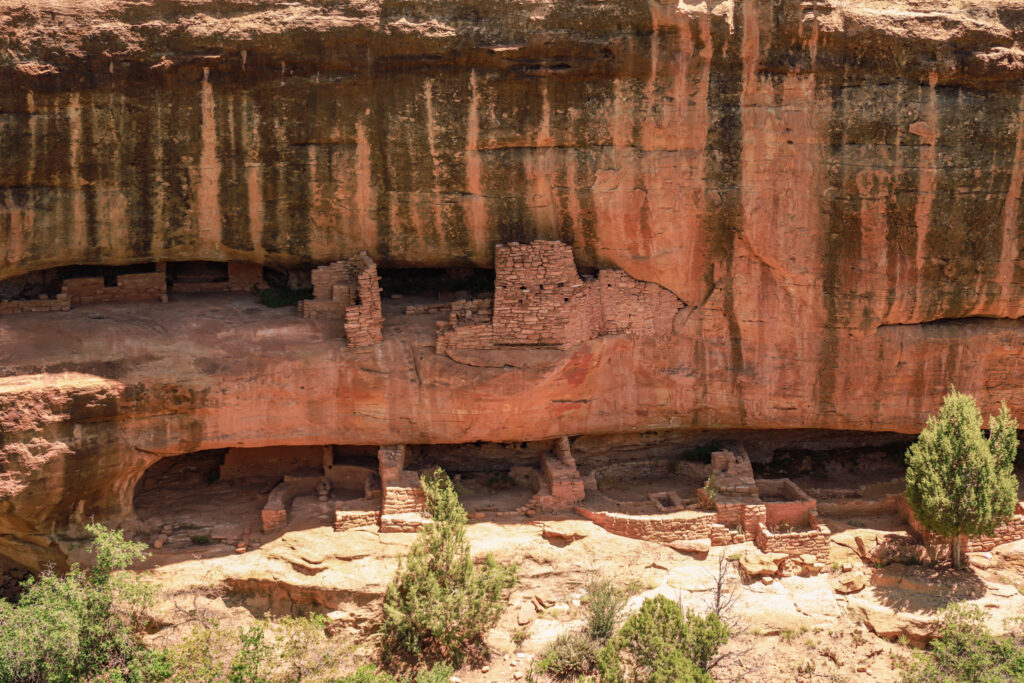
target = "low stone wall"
x: 814, y: 541
x: 350, y: 519
x: 795, y: 510
x: 58, y: 303
x: 132, y: 287
x: 274, y: 514
x: 1005, y: 533
x: 674, y: 526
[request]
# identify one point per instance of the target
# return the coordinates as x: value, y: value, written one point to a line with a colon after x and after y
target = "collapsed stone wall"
x: 541, y: 300
x: 348, y: 290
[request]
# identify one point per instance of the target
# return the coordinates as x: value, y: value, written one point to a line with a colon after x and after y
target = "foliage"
x: 300, y: 650
x: 367, y: 674
x: 440, y: 673
x: 292, y: 649
x: 569, y: 656
x: 958, y: 482
x: 83, y: 624
x: 245, y: 667
x: 966, y: 651
x: 662, y: 642
x: 439, y: 604
x: 604, y: 604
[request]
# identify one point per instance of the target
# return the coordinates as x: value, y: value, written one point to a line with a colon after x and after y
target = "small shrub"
x: 84, y: 624
x: 245, y: 667
x: 570, y: 655
x: 440, y: 673
x: 661, y: 641
x: 519, y: 636
x: 440, y: 604
x: 965, y: 650
x: 367, y: 674
x: 604, y: 605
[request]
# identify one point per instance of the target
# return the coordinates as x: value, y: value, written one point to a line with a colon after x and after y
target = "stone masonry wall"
x: 813, y: 542
x: 685, y: 525
x: 58, y: 303
x: 348, y: 290
x: 1004, y: 533
x: 403, y: 503
x: 540, y: 300
x: 633, y: 307
x: 132, y: 287
x: 363, y: 319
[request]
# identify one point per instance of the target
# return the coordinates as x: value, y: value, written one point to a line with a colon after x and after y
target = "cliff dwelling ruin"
x: 665, y: 288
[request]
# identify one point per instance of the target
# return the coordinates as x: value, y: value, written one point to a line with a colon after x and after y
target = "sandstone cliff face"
x: 828, y: 186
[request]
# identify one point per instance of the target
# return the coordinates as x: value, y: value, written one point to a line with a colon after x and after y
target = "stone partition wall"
x: 363, y: 319
x: 814, y: 541
x: 795, y: 510
x: 403, y: 503
x: 131, y: 287
x: 348, y: 290
x: 274, y: 515
x: 561, y: 485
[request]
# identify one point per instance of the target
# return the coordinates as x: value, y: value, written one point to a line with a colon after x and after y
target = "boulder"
x: 699, y: 546
x: 849, y: 582
x: 566, y: 531
x: 527, y: 613
x: 754, y: 563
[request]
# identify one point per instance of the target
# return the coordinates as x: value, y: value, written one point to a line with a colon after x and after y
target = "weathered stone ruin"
x: 404, y: 503
x: 732, y: 507
x: 348, y: 290
x: 541, y: 300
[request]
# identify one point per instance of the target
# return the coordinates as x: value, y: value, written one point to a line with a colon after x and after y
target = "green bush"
x: 661, y: 642
x: 965, y: 651
x: 604, y: 605
x: 367, y: 674
x: 569, y: 656
x: 83, y: 624
x: 439, y: 604
x: 960, y: 483
x: 440, y: 673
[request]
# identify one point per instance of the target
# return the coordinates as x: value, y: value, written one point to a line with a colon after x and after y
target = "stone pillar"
x: 403, y: 504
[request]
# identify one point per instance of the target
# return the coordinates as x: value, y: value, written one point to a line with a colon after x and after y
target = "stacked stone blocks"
x: 132, y: 287
x: 348, y: 290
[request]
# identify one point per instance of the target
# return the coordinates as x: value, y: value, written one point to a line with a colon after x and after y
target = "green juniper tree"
x: 440, y: 604
x: 960, y: 483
